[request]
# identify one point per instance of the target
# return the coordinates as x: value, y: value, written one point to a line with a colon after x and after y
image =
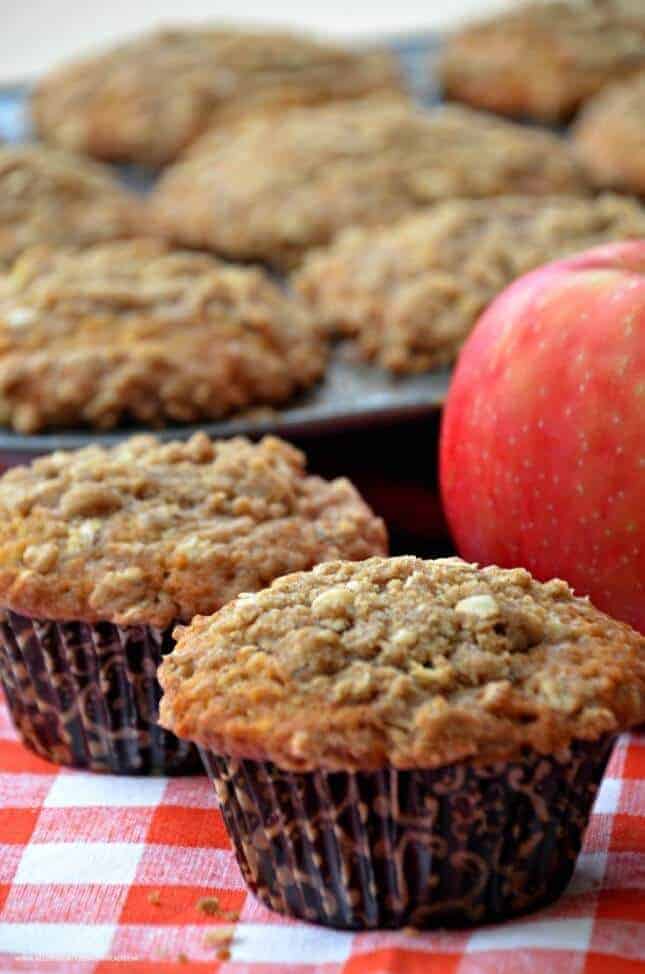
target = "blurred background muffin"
x: 147, y: 99
x: 409, y: 294
x: 138, y: 332
x: 48, y: 196
x: 353, y: 163
x: 609, y: 136
x: 542, y: 60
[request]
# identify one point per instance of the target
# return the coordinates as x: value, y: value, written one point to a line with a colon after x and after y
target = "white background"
x: 36, y: 34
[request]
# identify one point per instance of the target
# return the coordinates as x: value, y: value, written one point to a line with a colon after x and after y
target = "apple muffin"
x: 134, y: 331
x: 542, y: 60
x: 609, y: 136
x: 401, y: 741
x: 323, y: 169
x: 104, y: 550
x: 408, y: 295
x: 54, y: 197
x: 146, y: 99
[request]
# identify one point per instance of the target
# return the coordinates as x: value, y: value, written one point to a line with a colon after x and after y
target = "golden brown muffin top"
x: 544, y: 59
x: 410, y: 293
x: 404, y: 662
x: 139, y: 330
x: 609, y: 136
x: 50, y: 196
x: 148, y: 98
x: 151, y: 533
x: 364, y: 162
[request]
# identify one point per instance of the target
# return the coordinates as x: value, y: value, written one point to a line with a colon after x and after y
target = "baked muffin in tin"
x: 324, y: 169
x: 609, y: 136
x: 402, y: 741
x: 136, y: 331
x: 102, y: 551
x: 48, y: 196
x: 543, y: 60
x: 409, y: 294
x: 148, y: 98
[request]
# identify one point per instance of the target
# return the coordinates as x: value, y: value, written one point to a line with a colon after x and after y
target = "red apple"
x: 542, y: 458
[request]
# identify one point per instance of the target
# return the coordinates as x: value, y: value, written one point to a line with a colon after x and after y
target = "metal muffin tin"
x: 351, y: 395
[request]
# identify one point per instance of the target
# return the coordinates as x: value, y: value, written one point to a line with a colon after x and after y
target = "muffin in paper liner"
x: 404, y: 742
x: 104, y: 550
x: 458, y: 845
x: 87, y: 695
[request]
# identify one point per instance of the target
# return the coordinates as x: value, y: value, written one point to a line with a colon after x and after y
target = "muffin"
x: 54, y: 197
x: 403, y: 741
x: 542, y: 60
x: 409, y: 294
x: 367, y: 162
x: 102, y: 551
x: 147, y: 99
x: 609, y: 136
x: 137, y: 331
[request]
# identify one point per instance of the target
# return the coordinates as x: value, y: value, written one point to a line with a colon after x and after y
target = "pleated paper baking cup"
x: 455, y: 846
x: 87, y: 695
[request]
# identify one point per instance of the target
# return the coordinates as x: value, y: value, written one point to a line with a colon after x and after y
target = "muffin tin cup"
x: 455, y: 846
x: 87, y: 695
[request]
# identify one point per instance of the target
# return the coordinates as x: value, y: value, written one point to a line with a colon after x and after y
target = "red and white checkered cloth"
x: 81, y: 854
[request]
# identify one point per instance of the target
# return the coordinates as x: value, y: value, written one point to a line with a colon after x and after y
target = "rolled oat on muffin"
x: 403, y: 741
x: 409, y: 294
x: 542, y: 60
x: 148, y: 98
x: 102, y: 551
x: 609, y: 136
x: 48, y: 196
x: 324, y: 169
x: 139, y: 331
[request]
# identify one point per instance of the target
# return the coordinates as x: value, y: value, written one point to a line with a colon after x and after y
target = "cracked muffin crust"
x: 54, y: 197
x: 402, y: 662
x: 609, y: 136
x: 147, y: 99
x: 327, y: 168
x: 151, y: 533
x: 544, y: 59
x: 138, y: 331
x: 410, y: 294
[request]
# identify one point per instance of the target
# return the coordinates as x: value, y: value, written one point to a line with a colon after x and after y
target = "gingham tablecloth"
x: 100, y: 874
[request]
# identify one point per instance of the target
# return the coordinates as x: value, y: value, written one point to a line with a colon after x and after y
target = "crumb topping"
x: 138, y: 331
x: 147, y: 99
x: 151, y: 533
x: 366, y: 162
x: 208, y: 905
x: 50, y: 196
x: 411, y: 293
x: 405, y: 662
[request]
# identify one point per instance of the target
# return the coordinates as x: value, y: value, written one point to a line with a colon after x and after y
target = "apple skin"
x: 542, y: 451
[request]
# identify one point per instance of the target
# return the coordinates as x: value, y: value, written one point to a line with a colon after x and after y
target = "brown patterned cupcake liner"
x: 87, y: 695
x: 458, y: 845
